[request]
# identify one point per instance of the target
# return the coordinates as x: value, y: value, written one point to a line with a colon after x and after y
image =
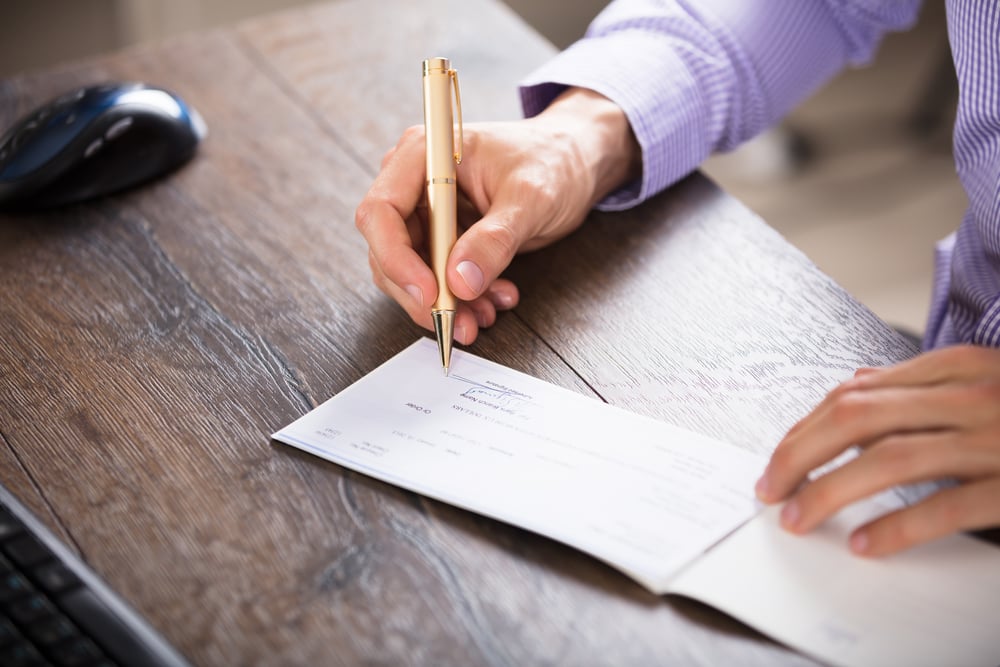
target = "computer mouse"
x: 94, y: 141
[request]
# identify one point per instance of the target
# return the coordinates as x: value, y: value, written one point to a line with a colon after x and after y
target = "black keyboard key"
x: 8, y: 633
x: 76, y: 652
x: 51, y: 630
x: 26, y: 551
x: 5, y: 565
x: 30, y: 609
x: 55, y: 578
x: 21, y: 654
x: 13, y: 586
x: 53, y: 613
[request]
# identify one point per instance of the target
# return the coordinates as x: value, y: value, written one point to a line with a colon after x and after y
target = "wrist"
x: 599, y: 136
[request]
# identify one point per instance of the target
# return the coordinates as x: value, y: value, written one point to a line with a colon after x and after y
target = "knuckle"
x: 471, y: 140
x: 849, y: 407
x: 387, y: 156
x: 500, y: 237
x: 782, y: 460
x: 957, y: 353
x: 949, y: 510
x: 977, y: 354
x: 546, y: 196
x: 543, y: 194
x: 363, y: 216
x: 411, y: 139
x: 821, y: 495
x: 963, y: 358
x: 378, y: 277
x: 842, y: 389
x: 528, y: 183
x: 412, y: 134
x: 896, y: 456
x: 988, y: 393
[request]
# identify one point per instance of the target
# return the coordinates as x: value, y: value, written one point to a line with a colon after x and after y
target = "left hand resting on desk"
x: 932, y: 417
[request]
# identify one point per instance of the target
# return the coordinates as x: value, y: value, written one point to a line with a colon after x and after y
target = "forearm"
x: 694, y: 78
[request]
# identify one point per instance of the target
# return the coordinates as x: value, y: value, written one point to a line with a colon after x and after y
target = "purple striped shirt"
x: 698, y: 76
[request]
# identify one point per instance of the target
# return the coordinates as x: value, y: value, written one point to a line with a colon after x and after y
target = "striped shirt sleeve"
x: 966, y: 303
x: 695, y: 77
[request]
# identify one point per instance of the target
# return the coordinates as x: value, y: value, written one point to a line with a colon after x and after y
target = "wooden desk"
x: 150, y: 343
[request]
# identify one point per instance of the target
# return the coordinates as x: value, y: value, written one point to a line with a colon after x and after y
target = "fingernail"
x: 416, y: 293
x: 503, y: 300
x: 790, y: 515
x: 859, y: 542
x: 471, y: 274
x: 460, y: 334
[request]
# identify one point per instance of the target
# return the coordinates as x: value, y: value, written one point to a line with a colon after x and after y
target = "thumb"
x: 485, y: 250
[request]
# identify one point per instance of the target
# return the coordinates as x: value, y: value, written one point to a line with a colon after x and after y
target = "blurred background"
x: 860, y: 177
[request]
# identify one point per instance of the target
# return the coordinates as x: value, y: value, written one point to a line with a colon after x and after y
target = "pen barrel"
x: 442, y: 186
x: 441, y: 207
x: 439, y: 122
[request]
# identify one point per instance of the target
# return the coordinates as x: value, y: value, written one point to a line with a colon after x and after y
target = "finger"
x: 466, y: 319
x: 484, y: 310
x: 410, y: 298
x: 853, y: 417
x: 970, y: 506
x: 416, y: 229
x: 400, y: 182
x: 386, y: 157
x: 484, y: 251
x: 382, y: 217
x: 896, y: 460
x: 845, y: 386
x: 503, y: 294
x: 961, y: 362
x: 467, y: 212
x: 930, y: 368
x: 466, y: 325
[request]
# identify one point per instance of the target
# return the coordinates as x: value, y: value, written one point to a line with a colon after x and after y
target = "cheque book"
x: 672, y: 509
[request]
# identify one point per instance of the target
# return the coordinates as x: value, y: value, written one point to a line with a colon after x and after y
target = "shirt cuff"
x: 664, y: 117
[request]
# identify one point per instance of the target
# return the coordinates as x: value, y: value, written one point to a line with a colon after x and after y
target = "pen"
x: 442, y: 189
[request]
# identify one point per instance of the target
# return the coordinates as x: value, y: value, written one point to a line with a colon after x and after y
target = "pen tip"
x: 444, y: 330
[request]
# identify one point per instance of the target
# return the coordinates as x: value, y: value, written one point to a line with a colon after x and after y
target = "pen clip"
x: 453, y: 74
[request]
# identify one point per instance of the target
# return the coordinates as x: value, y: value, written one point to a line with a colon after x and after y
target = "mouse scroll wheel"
x: 118, y: 128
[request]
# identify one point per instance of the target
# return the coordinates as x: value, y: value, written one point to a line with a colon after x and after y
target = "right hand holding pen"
x: 526, y: 184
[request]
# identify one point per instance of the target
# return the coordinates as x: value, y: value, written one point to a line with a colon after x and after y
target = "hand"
x: 533, y: 182
x: 934, y: 416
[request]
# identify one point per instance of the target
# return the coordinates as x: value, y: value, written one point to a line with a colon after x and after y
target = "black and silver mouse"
x: 94, y: 141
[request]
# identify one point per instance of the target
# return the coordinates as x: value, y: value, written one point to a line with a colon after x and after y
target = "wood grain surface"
x: 151, y: 341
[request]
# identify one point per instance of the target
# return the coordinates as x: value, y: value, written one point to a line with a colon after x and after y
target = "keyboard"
x: 55, y: 611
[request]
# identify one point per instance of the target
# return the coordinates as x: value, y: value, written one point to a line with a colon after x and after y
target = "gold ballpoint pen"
x: 442, y: 189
